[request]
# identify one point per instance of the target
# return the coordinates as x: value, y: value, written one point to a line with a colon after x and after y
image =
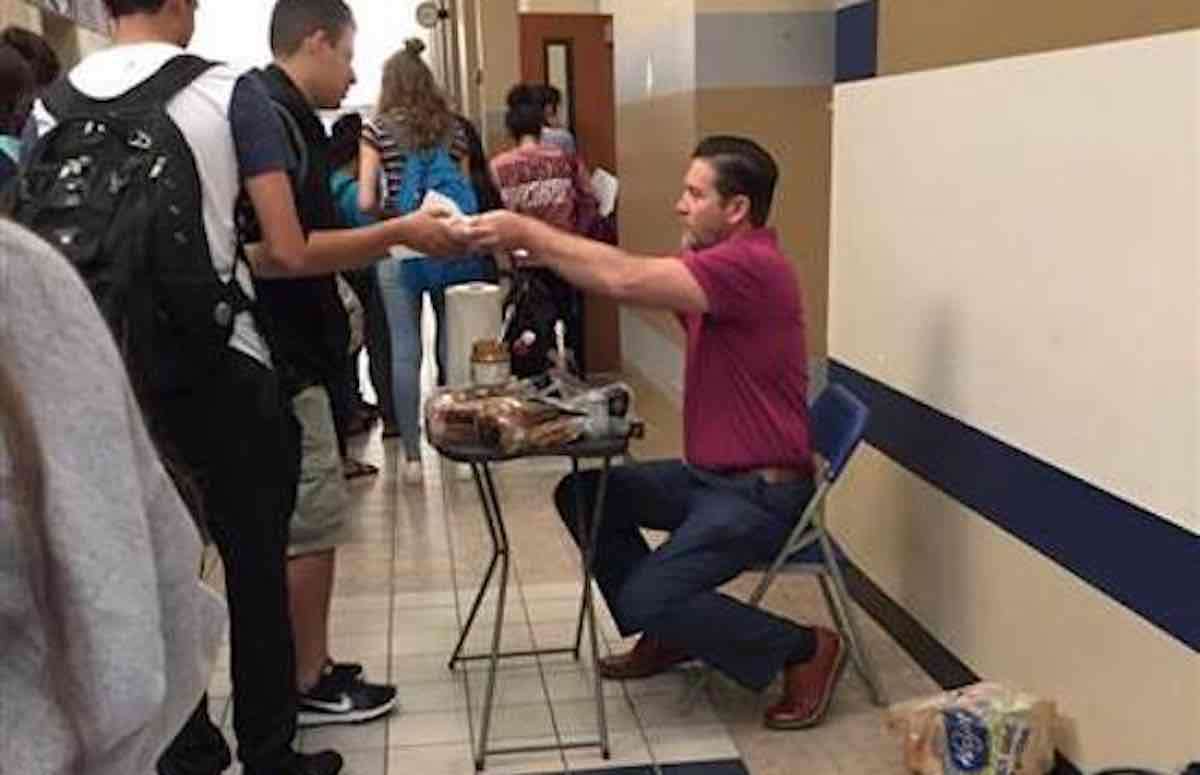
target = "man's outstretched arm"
x: 651, y: 281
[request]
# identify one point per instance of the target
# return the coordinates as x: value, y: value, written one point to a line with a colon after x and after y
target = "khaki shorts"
x: 321, y: 519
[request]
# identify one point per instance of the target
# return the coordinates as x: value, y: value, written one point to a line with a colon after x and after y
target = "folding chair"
x: 837, y: 422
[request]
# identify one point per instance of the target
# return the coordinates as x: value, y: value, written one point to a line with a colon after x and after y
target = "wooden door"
x: 575, y: 53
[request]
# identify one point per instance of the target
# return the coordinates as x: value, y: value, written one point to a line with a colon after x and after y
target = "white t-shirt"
x: 209, y: 118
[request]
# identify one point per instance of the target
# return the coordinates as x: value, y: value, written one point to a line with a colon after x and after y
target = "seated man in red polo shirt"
x: 748, y: 470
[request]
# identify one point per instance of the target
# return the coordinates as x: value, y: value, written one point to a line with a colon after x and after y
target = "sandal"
x: 355, y: 469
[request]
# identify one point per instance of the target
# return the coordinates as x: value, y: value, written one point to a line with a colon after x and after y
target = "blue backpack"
x: 433, y: 169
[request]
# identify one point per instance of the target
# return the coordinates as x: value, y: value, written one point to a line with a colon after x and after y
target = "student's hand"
x: 433, y: 234
x: 496, y: 230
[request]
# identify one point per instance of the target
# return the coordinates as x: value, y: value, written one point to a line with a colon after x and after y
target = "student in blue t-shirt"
x: 16, y: 92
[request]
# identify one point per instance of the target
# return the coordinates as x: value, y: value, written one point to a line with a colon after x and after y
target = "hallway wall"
x: 1014, y: 267
x: 987, y: 583
x: 700, y: 67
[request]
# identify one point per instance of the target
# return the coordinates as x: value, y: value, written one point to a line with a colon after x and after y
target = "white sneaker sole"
x: 315, y: 718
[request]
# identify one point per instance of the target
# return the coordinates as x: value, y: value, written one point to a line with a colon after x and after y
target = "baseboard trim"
x: 935, y: 659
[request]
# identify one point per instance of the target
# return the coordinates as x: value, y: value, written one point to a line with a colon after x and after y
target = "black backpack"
x: 537, y: 300
x: 114, y: 187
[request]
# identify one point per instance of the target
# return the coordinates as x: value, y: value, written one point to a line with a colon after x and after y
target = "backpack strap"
x: 297, y: 142
x: 414, y: 182
x: 63, y: 100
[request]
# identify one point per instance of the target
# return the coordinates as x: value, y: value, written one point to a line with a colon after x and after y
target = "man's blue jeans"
x: 719, y: 526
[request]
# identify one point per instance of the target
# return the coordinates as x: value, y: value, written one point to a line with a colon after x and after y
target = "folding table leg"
x: 498, y: 550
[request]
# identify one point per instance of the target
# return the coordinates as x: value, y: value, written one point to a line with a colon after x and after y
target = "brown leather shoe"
x: 649, y: 656
x: 808, y: 686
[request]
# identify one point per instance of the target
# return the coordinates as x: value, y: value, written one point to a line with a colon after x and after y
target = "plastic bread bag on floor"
x: 984, y: 729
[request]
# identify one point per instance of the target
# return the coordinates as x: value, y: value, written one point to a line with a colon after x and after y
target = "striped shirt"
x: 389, y: 136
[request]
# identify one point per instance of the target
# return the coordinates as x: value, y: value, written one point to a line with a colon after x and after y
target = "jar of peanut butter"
x: 490, y: 362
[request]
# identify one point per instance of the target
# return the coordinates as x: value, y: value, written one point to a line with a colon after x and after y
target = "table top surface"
x: 581, y: 449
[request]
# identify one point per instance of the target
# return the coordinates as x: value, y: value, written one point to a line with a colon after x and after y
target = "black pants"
x: 378, y: 336
x: 237, y: 441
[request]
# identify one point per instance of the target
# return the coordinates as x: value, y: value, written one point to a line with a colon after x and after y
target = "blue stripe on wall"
x: 1147, y: 563
x: 858, y: 41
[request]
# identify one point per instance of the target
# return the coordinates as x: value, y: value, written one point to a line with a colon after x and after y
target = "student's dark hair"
x: 550, y: 96
x: 37, y: 52
x: 344, y: 138
x: 524, y: 94
x: 743, y: 167
x: 293, y: 21
x: 129, y: 7
x: 477, y: 165
x: 524, y: 119
x: 16, y: 89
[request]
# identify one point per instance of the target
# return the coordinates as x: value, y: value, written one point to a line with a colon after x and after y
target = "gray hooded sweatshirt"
x: 141, y: 629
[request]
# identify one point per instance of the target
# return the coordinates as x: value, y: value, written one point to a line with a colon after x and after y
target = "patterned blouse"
x: 547, y: 184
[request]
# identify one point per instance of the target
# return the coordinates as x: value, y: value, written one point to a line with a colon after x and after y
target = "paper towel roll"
x: 472, y: 312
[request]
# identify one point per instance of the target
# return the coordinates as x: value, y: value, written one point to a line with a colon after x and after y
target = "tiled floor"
x: 406, y: 582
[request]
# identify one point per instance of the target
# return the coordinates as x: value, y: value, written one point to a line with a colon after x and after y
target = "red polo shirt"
x: 746, y: 375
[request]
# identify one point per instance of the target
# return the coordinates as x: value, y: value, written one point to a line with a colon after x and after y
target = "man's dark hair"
x: 16, y: 89
x: 37, y: 53
x: 524, y: 119
x: 117, y: 8
x: 293, y: 21
x: 742, y: 167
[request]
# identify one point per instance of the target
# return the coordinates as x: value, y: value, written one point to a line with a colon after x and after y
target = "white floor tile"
x: 626, y: 749
x: 452, y: 759
x: 370, y: 736
x: 442, y: 727
x: 372, y: 762
x: 691, y: 744
x: 577, y: 718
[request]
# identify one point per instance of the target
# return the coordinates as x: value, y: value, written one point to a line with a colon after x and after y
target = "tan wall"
x: 500, y: 60
x: 1127, y: 692
x: 468, y: 32
x: 563, y: 6
x: 931, y: 170
x: 656, y: 124
x: 922, y: 34
x: 20, y: 13
x: 70, y: 41
x: 762, y: 6
x: 794, y: 125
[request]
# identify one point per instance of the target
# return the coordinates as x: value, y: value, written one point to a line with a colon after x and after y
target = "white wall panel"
x: 1015, y: 243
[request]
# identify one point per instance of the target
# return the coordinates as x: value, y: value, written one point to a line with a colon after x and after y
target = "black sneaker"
x: 321, y: 763
x: 198, y: 749
x: 343, y: 697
